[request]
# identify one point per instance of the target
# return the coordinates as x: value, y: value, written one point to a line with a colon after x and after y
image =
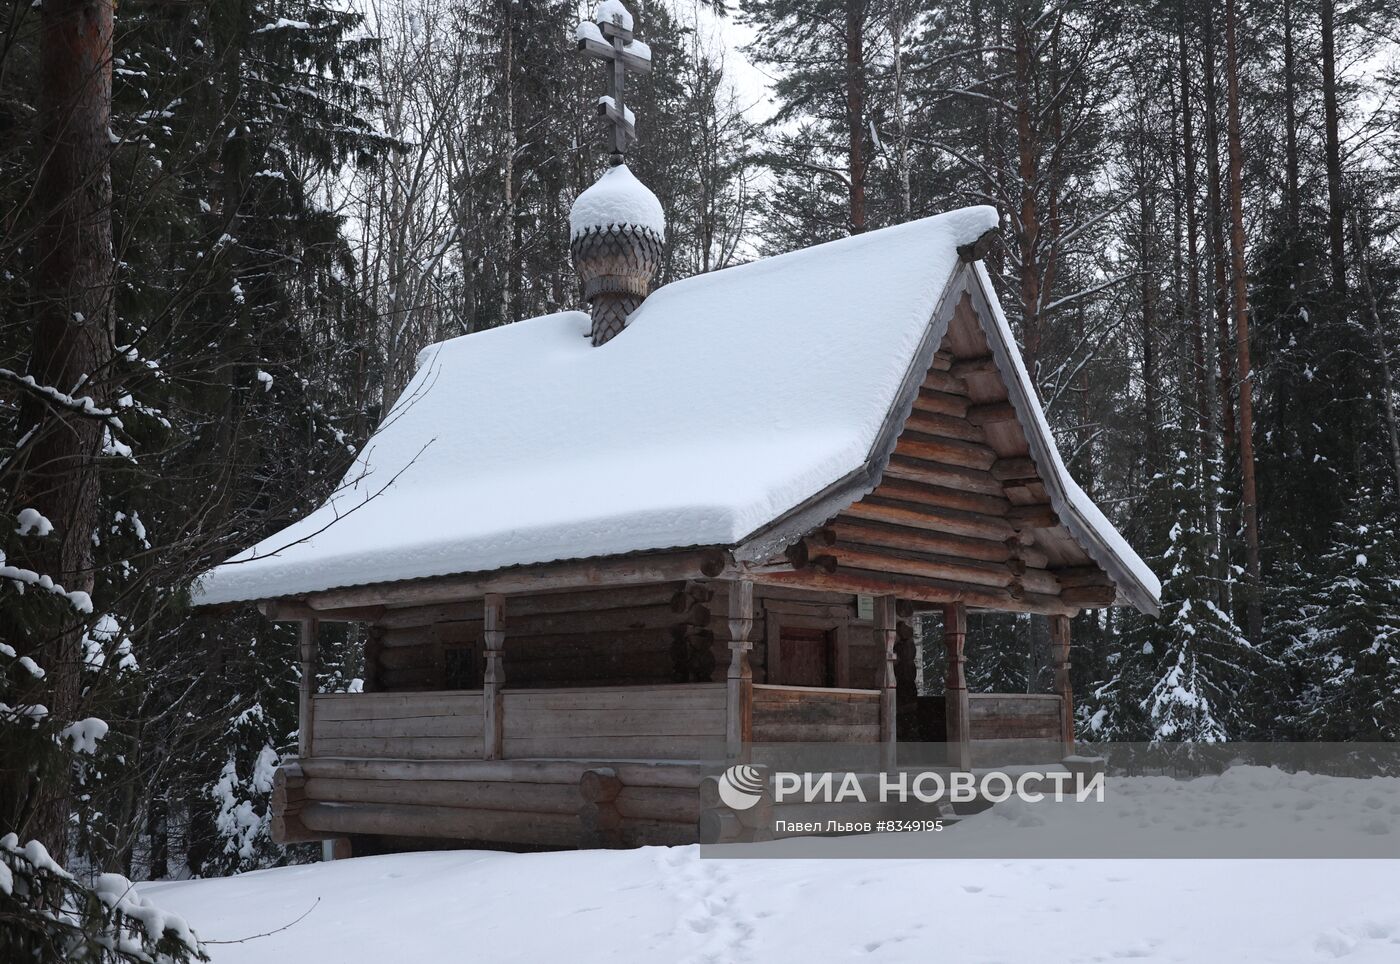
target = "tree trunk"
x: 1292, y: 197
x: 72, y: 348
x: 1336, y: 212
x: 898, y: 24
x: 1249, y: 497
x: 1028, y: 219
x: 1193, y: 273
x: 1221, y: 285
x: 855, y: 109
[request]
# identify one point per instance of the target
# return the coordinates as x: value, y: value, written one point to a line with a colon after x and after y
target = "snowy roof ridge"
x: 573, y: 452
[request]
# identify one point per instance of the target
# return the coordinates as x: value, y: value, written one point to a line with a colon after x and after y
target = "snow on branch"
x: 83, y: 405
x: 25, y: 578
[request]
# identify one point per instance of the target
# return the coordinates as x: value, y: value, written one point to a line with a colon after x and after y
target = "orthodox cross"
x: 610, y: 40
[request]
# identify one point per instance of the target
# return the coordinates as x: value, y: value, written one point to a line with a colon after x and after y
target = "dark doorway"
x: 806, y: 657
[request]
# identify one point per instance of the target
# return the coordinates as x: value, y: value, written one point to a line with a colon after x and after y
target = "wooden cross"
x: 610, y: 41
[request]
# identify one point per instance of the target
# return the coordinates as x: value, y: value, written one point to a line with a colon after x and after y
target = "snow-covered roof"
x: 616, y: 198
x: 730, y: 399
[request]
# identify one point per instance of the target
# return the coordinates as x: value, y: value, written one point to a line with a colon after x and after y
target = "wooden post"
x: 374, y: 647
x: 885, y: 638
x: 1059, y: 644
x: 494, y: 677
x: 310, y: 660
x: 739, y: 712
x: 955, y: 686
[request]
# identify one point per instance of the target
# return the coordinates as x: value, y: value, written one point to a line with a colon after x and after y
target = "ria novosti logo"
x: 741, y: 786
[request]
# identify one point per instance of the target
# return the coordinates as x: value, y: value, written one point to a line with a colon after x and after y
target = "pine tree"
x: 1349, y: 640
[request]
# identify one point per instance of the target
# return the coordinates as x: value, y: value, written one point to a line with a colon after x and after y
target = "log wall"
x: 514, y: 802
x: 803, y: 714
x: 670, y: 722
x: 398, y: 726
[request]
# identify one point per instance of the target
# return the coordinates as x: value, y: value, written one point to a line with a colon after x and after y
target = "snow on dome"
x: 612, y: 11
x: 617, y: 198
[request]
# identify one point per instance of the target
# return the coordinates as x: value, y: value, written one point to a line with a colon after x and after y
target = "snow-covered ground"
x: 673, y: 905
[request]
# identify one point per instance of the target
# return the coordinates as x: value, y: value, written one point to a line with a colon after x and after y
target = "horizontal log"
x: 922, y: 540
x: 953, y: 569
x: 945, y: 426
x: 816, y: 733
x: 941, y: 403
x: 407, y: 820
x: 479, y: 795
x: 288, y: 610
x: 1081, y: 576
x: 670, y: 747
x: 390, y: 706
x: 522, y: 723
x: 606, y: 571
x: 937, y: 473
x: 949, y: 521
x: 1089, y: 597
x: 1014, y: 469
x: 777, y: 692
x: 553, y: 603
x: 1033, y: 516
x: 968, y: 367
x: 921, y: 590
x: 659, y: 804
x: 814, y: 711
x: 402, y: 748
x: 948, y: 451
x: 673, y: 698
x: 460, y: 726
x: 649, y: 658
x: 941, y: 497
x: 991, y: 413
x: 658, y: 774
x: 940, y: 381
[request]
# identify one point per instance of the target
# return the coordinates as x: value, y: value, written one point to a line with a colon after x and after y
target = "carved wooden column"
x: 1059, y: 654
x: 955, y: 686
x: 494, y: 677
x: 885, y: 639
x: 739, y: 712
x: 306, y: 708
x: 906, y: 672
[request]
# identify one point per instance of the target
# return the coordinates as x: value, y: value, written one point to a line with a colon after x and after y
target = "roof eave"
x: 1129, y: 586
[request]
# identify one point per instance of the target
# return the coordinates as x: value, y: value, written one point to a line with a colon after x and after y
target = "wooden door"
x: 805, y: 657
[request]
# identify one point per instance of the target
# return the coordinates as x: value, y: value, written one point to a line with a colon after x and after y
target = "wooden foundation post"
x: 1059, y: 647
x: 739, y: 711
x: 955, y: 686
x: 494, y: 676
x: 310, y: 661
x: 885, y: 638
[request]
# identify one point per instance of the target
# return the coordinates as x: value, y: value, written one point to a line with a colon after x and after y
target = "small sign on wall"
x: 865, y: 608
